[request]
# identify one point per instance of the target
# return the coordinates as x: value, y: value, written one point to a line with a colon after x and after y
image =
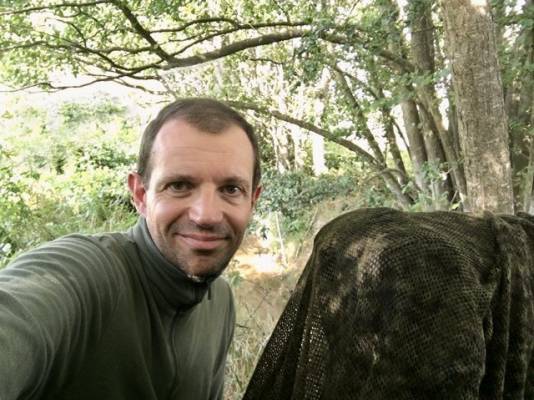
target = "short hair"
x: 206, y: 114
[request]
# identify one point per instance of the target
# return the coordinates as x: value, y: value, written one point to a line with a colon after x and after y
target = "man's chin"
x: 203, y: 271
x: 203, y: 276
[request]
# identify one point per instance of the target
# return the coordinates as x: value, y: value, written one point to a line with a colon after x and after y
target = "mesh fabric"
x: 395, y: 305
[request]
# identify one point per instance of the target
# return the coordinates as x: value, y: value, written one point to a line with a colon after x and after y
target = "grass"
x: 262, y: 284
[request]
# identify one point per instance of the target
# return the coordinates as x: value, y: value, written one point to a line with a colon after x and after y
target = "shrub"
x: 294, y: 194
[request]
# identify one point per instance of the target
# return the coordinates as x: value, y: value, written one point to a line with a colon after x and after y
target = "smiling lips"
x: 200, y: 241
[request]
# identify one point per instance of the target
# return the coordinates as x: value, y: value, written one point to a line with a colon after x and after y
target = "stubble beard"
x: 214, y: 269
x: 171, y: 251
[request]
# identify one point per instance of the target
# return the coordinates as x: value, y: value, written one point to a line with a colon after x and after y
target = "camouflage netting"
x: 395, y: 305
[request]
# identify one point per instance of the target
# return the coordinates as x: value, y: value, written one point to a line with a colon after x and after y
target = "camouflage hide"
x: 395, y: 305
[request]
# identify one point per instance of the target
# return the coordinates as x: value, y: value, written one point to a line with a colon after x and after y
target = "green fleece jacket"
x: 107, y: 317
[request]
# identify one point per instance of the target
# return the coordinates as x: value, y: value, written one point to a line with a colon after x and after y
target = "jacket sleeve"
x: 52, y: 300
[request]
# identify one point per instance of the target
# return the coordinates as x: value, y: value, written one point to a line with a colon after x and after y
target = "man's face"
x: 199, y: 198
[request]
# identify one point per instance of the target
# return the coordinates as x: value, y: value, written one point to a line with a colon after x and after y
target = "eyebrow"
x: 235, y: 179
x: 176, y: 177
x: 165, y: 179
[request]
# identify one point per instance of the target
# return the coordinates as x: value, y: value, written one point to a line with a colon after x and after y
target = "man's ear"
x: 138, y: 191
x: 256, y: 195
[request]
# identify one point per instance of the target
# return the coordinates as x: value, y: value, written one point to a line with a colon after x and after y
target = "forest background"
x: 414, y: 104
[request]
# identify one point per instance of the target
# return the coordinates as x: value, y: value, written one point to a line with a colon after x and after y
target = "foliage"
x: 336, y: 68
x: 295, y: 196
x: 63, y: 170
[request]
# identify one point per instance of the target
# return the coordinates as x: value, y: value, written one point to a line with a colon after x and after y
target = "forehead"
x: 179, y: 145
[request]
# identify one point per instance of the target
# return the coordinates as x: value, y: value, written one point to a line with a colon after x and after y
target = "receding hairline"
x: 206, y: 114
x: 211, y: 126
x: 226, y: 125
x: 223, y: 130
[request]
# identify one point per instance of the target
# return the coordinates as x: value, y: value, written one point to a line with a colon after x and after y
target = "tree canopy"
x: 371, y: 76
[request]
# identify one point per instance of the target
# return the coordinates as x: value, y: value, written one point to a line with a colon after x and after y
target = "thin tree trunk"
x: 387, y: 121
x: 423, y: 55
x: 436, y: 158
x: 360, y: 119
x: 528, y: 178
x: 416, y: 142
x: 281, y: 148
x: 318, y: 154
x: 519, y: 94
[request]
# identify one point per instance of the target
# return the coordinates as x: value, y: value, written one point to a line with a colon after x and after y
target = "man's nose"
x: 206, y: 208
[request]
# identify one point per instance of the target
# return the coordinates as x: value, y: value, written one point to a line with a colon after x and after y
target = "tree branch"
x: 234, y: 48
x: 199, y: 21
x: 218, y: 34
x: 140, y: 87
x: 234, y: 23
x: 387, y: 174
x: 145, y: 34
x: 310, y: 127
x: 352, y: 77
x: 52, y: 6
x: 403, y: 64
x: 359, y: 115
x: 70, y: 46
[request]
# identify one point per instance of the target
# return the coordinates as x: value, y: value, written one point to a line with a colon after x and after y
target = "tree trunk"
x: 423, y: 55
x: 412, y: 124
x: 299, y: 153
x: 527, y: 117
x: 482, y: 121
x: 528, y: 178
x: 519, y: 97
x: 318, y: 154
x: 281, y: 146
x: 360, y: 119
x: 389, y: 131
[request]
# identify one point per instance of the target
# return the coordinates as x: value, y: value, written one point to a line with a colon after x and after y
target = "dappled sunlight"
x: 481, y: 6
x: 260, y: 263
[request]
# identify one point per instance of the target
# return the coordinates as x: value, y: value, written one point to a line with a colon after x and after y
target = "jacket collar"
x: 170, y: 283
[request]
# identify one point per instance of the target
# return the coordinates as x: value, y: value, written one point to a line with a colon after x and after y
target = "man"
x: 141, y: 314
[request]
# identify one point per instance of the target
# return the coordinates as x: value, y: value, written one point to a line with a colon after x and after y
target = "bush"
x: 293, y: 195
x: 39, y: 206
x: 62, y: 170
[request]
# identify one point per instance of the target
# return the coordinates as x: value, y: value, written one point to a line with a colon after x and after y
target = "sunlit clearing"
x: 259, y: 264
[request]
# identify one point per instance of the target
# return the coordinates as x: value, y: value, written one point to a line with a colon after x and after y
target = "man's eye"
x: 232, y: 190
x: 179, y: 186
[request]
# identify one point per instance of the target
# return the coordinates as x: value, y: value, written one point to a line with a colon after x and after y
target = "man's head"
x: 208, y: 115
x: 197, y: 183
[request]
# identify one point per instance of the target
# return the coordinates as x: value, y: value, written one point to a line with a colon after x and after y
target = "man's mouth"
x: 202, y: 241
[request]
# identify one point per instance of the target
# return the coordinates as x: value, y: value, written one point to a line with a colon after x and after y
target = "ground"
x: 262, y: 282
